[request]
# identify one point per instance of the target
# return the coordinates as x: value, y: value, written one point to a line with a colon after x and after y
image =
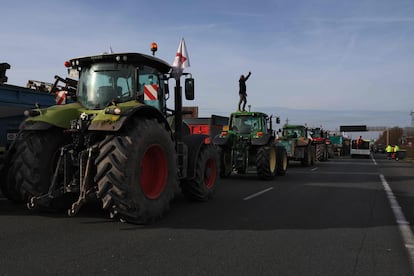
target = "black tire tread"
x: 196, y: 189
x: 115, y: 176
x: 263, y: 163
x: 30, y: 172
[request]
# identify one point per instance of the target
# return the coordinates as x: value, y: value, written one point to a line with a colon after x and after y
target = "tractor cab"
x: 249, y: 124
x: 294, y: 131
x: 117, y: 78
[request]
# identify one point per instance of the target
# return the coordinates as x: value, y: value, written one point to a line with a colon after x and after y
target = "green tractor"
x: 115, y: 145
x: 298, y: 144
x: 249, y: 141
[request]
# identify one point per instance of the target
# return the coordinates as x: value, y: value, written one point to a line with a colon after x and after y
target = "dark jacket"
x: 242, y: 84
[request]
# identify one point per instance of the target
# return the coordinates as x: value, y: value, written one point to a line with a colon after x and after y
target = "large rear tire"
x: 137, y: 172
x: 282, y: 161
x: 226, y: 163
x: 266, y: 162
x: 309, y: 158
x: 7, y: 184
x: 203, y: 186
x: 33, y: 163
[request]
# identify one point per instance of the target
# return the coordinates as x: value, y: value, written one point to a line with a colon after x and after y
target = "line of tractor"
x: 109, y: 137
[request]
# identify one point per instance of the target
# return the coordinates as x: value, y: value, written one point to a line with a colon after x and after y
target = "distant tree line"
x: 395, y: 136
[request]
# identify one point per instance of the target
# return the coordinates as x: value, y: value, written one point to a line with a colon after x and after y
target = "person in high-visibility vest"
x: 396, y: 149
x: 388, y: 150
x: 359, y: 142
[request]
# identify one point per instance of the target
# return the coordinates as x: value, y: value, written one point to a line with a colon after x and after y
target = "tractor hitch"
x: 87, y: 187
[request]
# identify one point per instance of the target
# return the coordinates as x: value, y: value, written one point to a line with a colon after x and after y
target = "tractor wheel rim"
x: 210, y: 173
x: 272, y: 160
x: 154, y: 171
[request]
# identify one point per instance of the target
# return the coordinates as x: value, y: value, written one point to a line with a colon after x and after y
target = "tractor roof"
x: 246, y: 113
x: 127, y: 58
x: 293, y: 126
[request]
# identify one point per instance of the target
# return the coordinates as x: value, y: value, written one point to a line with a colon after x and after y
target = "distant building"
x: 408, y: 137
x: 412, y: 118
x: 190, y: 111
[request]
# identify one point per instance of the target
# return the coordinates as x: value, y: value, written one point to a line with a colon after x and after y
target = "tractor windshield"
x: 317, y: 133
x: 247, y: 124
x: 103, y: 83
x: 293, y: 133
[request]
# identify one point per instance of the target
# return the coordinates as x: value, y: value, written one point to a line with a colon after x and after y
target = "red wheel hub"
x: 154, y: 171
x: 210, y: 173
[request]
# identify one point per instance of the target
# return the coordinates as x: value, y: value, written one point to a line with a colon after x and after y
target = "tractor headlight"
x: 113, y: 110
x: 32, y: 113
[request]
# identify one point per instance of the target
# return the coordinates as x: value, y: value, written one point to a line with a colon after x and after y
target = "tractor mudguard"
x: 222, y: 141
x: 57, y: 115
x: 62, y: 115
x: 194, y: 143
x: 35, y: 125
x: 101, y: 123
x: 261, y: 141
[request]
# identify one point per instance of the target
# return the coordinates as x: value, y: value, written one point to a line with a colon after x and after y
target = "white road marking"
x: 258, y: 193
x: 314, y: 169
x: 402, y: 222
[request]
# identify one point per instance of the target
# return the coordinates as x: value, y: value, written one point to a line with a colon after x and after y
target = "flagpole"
x: 178, y: 116
x: 180, y: 62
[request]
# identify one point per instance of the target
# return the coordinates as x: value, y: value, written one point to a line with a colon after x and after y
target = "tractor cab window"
x: 247, y: 124
x: 104, y: 83
x: 316, y: 133
x: 150, y: 87
x: 293, y: 133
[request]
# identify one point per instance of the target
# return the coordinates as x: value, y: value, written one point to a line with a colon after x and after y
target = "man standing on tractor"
x: 242, y: 91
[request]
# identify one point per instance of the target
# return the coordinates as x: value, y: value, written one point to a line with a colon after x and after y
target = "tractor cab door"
x: 151, y: 87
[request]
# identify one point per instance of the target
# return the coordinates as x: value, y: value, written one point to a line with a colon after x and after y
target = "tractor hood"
x: 110, y: 118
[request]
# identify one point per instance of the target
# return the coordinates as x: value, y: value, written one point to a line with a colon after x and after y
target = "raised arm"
x: 248, y: 75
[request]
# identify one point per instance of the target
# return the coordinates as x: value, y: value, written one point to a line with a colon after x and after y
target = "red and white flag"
x: 181, y: 60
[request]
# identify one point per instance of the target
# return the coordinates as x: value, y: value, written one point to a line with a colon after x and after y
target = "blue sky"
x: 353, y: 55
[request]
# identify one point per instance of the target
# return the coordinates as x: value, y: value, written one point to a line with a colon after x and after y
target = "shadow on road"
x: 300, y: 200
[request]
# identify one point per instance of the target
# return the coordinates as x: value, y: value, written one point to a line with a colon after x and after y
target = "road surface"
x: 340, y: 217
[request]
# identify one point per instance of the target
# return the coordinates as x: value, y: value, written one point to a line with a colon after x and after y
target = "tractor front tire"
x: 137, y: 172
x: 203, y: 186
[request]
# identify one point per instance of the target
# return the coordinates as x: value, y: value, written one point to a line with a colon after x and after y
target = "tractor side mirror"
x: 166, y: 88
x: 3, y: 68
x: 139, y: 93
x: 189, y: 89
x: 277, y: 120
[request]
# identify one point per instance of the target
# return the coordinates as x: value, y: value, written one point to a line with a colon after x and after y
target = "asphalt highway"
x: 340, y: 217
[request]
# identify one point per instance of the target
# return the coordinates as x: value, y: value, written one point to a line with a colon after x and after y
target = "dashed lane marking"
x: 258, y: 193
